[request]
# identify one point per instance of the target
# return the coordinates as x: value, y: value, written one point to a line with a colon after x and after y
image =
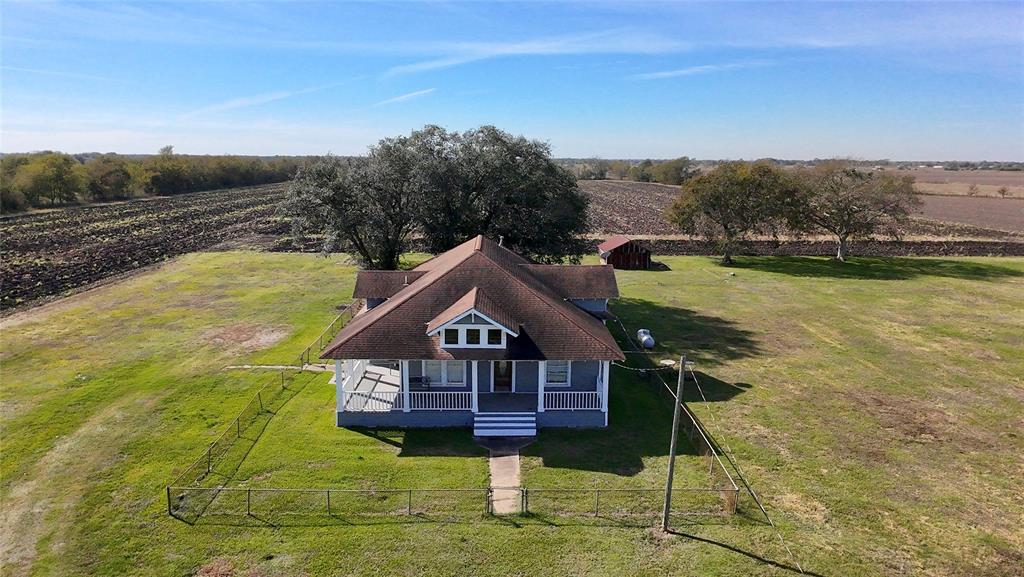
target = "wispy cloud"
x: 702, y: 69
x: 617, y: 41
x: 404, y: 97
x: 247, y: 101
x: 59, y: 73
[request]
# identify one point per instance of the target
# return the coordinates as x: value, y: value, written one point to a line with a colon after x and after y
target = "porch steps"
x: 505, y: 425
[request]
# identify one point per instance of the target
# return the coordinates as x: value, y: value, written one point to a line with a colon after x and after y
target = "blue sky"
x: 616, y: 80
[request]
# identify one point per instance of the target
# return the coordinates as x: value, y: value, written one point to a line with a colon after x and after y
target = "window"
x: 451, y: 336
x: 557, y: 374
x: 472, y: 336
x: 493, y: 336
x: 445, y: 373
x: 433, y: 370
x: 456, y: 372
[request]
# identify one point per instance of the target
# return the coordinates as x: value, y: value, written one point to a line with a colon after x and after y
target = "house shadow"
x: 639, y: 427
x: 705, y: 339
x: 876, y: 268
x: 640, y: 408
x: 441, y: 442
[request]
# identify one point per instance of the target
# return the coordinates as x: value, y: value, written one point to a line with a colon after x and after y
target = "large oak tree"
x: 445, y: 187
x: 732, y: 202
x: 836, y: 198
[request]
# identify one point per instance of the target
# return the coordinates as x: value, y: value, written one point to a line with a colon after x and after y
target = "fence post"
x: 328, y: 502
x: 248, y: 501
x: 526, y: 500
x: 209, y: 459
x: 489, y: 501
x: 169, y: 501
x: 597, y: 502
x: 408, y: 507
x: 238, y: 425
x: 260, y: 398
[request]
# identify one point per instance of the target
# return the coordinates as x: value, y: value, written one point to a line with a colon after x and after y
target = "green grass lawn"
x: 876, y: 406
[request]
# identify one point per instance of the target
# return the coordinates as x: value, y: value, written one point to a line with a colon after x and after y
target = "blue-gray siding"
x: 483, y: 370
x: 428, y: 419
x: 526, y: 376
x: 584, y: 376
x: 586, y: 419
x: 412, y: 419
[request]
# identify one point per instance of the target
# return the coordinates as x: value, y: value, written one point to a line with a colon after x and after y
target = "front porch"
x: 378, y: 392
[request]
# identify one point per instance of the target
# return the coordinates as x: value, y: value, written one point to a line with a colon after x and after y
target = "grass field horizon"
x: 873, y: 405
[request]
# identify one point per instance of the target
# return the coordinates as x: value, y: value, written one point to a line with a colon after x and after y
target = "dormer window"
x: 473, y: 322
x: 473, y: 336
x: 495, y: 337
x: 451, y: 337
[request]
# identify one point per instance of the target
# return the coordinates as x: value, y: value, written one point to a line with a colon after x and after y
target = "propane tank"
x: 644, y: 337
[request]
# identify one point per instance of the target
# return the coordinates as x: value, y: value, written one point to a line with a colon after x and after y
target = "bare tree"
x: 836, y: 198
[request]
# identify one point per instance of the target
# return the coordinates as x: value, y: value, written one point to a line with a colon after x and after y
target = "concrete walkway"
x: 504, y: 467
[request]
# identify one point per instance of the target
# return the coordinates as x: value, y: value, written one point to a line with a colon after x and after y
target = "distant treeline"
x: 675, y: 171
x: 43, y: 179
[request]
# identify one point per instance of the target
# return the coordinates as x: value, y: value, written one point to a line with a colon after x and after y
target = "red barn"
x: 623, y: 253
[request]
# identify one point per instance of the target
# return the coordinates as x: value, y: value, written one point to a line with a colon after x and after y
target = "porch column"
x: 405, y: 386
x: 339, y: 383
x: 605, y: 368
x: 476, y: 377
x: 542, y: 369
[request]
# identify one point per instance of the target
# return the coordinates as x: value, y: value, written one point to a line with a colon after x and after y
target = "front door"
x: 502, y: 376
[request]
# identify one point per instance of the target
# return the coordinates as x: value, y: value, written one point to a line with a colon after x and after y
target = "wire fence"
x: 306, y: 356
x: 201, y: 489
x: 280, y: 505
x: 197, y: 485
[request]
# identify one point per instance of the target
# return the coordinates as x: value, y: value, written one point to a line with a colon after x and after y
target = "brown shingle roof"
x: 577, y: 281
x: 382, y: 284
x: 549, y: 326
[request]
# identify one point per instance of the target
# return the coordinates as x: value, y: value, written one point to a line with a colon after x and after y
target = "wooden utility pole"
x: 672, y: 445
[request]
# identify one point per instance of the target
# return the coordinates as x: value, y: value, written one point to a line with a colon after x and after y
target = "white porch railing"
x: 572, y: 401
x: 372, y: 401
x: 441, y: 401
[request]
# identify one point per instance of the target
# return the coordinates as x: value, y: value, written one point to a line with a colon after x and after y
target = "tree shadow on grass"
x: 706, y: 339
x: 876, y: 268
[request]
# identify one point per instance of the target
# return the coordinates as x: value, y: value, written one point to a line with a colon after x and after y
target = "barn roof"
x: 613, y: 243
x: 549, y: 327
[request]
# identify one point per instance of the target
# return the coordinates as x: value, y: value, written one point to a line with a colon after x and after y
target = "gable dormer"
x: 473, y: 322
